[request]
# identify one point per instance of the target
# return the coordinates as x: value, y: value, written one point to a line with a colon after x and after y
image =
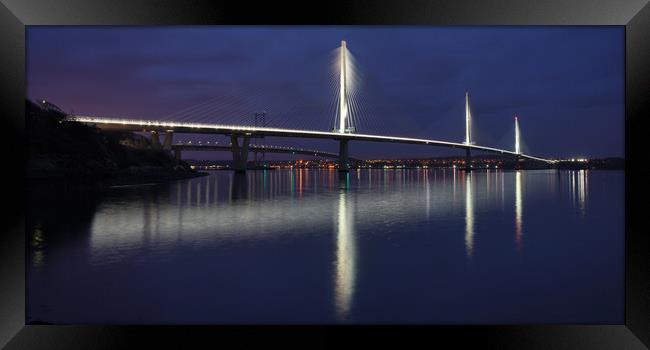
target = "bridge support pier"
x: 155, y: 140
x: 468, y: 159
x: 239, y: 153
x: 177, y: 154
x: 167, y: 145
x: 344, y: 165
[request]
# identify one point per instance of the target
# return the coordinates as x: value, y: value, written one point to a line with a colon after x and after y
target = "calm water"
x: 305, y: 246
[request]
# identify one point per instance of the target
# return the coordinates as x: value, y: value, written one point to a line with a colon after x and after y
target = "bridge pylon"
x: 468, y: 133
x: 468, y: 121
x: 517, y: 147
x: 343, y: 81
x: 517, y: 144
x: 344, y: 126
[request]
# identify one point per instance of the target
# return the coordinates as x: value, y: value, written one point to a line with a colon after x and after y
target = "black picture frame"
x: 633, y: 14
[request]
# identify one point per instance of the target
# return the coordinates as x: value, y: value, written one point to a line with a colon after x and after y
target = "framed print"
x: 401, y: 172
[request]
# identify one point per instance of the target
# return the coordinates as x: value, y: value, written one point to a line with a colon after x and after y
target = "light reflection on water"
x: 469, y: 215
x: 345, y: 255
x: 518, y: 210
x: 414, y: 225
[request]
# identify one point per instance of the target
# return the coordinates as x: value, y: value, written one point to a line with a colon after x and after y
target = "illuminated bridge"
x: 344, y: 131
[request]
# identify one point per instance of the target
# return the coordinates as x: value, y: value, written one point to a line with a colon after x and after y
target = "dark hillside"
x: 64, y: 151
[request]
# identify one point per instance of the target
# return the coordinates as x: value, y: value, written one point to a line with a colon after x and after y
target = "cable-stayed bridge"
x: 348, y: 111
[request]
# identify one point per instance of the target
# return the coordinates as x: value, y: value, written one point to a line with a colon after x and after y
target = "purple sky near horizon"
x: 565, y: 83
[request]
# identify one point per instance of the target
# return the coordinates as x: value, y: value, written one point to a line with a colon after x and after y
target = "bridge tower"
x: 517, y: 145
x: 468, y: 133
x: 343, y: 103
x: 517, y: 148
x: 343, y: 109
x: 468, y: 120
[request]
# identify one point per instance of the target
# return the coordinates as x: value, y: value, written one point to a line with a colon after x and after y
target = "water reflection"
x: 578, y: 188
x: 243, y: 205
x: 503, y: 191
x: 428, y: 190
x: 239, y: 186
x: 582, y: 181
x: 198, y: 192
x: 189, y: 191
x: 344, y: 180
x: 345, y: 256
x: 518, y: 210
x: 262, y: 231
x: 207, y: 191
x: 454, y: 182
x: 469, y: 215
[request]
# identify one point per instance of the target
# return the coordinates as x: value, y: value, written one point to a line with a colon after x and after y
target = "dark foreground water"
x: 304, y: 246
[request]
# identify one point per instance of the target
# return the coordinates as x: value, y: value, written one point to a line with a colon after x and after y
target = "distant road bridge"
x: 193, y: 146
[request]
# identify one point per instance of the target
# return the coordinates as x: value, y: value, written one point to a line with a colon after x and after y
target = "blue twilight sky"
x: 565, y: 83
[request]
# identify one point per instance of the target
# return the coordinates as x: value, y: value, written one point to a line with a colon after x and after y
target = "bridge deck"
x: 203, y: 128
